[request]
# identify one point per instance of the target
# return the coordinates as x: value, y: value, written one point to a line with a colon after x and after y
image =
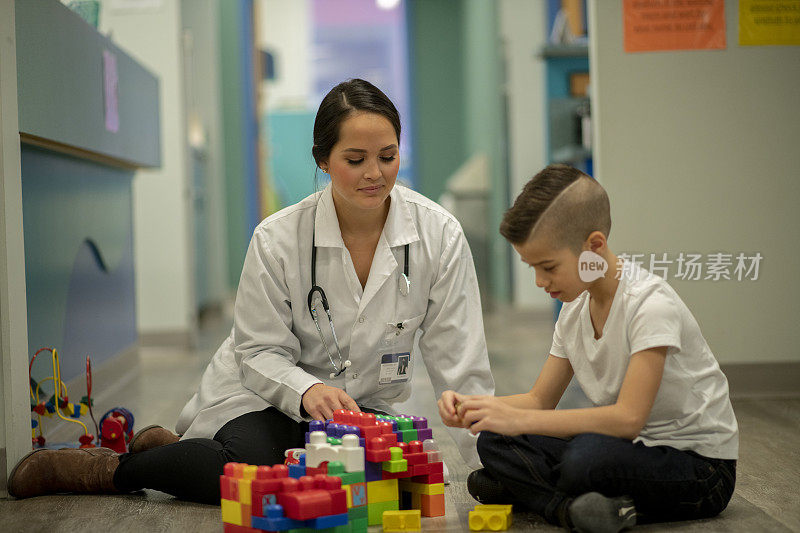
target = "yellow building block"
x: 421, y: 488
x: 491, y: 517
x: 231, y: 512
x: 402, y: 520
x: 382, y: 491
x: 244, y: 491
x: 349, y: 493
x: 249, y: 472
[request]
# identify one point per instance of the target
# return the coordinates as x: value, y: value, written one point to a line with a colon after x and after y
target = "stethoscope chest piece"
x: 404, y: 284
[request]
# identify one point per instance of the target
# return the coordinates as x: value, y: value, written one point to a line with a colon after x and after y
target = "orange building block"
x: 432, y: 504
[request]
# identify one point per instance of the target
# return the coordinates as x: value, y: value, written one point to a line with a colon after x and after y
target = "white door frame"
x: 15, y: 429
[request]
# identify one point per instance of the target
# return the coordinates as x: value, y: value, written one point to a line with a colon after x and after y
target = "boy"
x: 661, y: 441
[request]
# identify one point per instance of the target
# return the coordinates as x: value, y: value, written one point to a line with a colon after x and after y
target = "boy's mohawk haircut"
x: 562, y: 203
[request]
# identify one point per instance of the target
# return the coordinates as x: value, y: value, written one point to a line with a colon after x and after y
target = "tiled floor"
x: 766, y: 497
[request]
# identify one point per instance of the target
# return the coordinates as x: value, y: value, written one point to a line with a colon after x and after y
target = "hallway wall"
x: 698, y: 152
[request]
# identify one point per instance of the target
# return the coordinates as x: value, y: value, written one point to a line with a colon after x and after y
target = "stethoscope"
x: 404, y: 287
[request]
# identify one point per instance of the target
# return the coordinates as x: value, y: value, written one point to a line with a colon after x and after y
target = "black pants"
x: 544, y: 474
x: 190, y: 469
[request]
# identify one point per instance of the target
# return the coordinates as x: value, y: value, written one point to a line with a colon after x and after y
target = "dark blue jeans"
x: 544, y: 474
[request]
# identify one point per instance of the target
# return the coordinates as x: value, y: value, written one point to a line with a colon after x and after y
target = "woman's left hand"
x: 489, y: 413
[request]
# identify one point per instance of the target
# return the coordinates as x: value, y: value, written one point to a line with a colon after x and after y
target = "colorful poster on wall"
x: 765, y: 22
x: 652, y: 25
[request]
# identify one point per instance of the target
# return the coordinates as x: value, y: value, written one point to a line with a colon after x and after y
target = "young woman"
x: 384, y: 261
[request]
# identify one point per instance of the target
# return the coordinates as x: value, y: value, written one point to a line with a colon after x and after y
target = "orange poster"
x: 673, y: 24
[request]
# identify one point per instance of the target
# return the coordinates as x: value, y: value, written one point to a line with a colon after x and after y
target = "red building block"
x: 420, y: 469
x: 377, y: 450
x: 306, y: 504
x: 263, y: 492
x: 315, y: 471
x: 226, y: 484
x: 343, y: 416
x: 429, y: 479
x: 395, y: 475
x: 233, y: 528
x: 374, y: 456
x: 230, y: 469
x: 280, y: 471
x: 264, y: 472
x: 416, y: 458
x: 338, y: 501
x: 414, y: 446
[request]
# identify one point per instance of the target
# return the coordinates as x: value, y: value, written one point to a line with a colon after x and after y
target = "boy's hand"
x: 448, y: 405
x: 320, y: 401
x: 488, y: 413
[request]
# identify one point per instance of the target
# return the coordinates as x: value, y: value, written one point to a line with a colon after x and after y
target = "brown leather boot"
x: 150, y: 437
x: 68, y: 470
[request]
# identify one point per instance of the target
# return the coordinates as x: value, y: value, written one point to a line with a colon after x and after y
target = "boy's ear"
x: 596, y: 242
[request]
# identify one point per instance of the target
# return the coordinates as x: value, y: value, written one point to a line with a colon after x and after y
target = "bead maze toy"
x: 116, y: 426
x: 355, y: 468
x: 57, y: 403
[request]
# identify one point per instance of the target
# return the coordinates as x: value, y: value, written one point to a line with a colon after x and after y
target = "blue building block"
x: 373, y: 471
x: 327, y: 521
x: 297, y: 471
x: 275, y: 520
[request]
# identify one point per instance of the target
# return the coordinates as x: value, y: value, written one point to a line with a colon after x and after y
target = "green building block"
x: 404, y: 424
x: 360, y: 525
x: 335, y: 468
x: 409, y: 435
x: 354, y: 513
x: 376, y: 510
x: 396, y: 463
x: 334, y: 441
x: 348, y: 478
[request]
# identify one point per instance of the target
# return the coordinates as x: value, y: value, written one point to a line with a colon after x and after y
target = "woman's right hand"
x: 320, y: 401
x: 448, y: 408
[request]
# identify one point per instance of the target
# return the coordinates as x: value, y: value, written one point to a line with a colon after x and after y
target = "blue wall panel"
x: 78, y: 222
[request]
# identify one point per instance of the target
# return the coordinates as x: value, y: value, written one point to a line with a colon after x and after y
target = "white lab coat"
x: 274, y: 353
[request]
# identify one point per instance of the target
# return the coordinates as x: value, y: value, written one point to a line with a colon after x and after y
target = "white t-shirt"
x: 692, y: 410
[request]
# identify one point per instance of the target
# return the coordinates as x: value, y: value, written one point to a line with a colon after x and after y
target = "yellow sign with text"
x: 769, y: 22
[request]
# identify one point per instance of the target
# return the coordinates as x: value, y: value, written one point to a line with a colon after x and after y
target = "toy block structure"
x: 402, y: 520
x: 353, y: 469
x: 490, y: 517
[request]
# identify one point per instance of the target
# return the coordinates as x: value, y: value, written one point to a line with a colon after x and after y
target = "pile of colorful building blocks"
x: 355, y: 467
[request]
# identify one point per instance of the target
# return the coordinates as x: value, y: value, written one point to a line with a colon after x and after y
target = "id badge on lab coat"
x: 395, y: 368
